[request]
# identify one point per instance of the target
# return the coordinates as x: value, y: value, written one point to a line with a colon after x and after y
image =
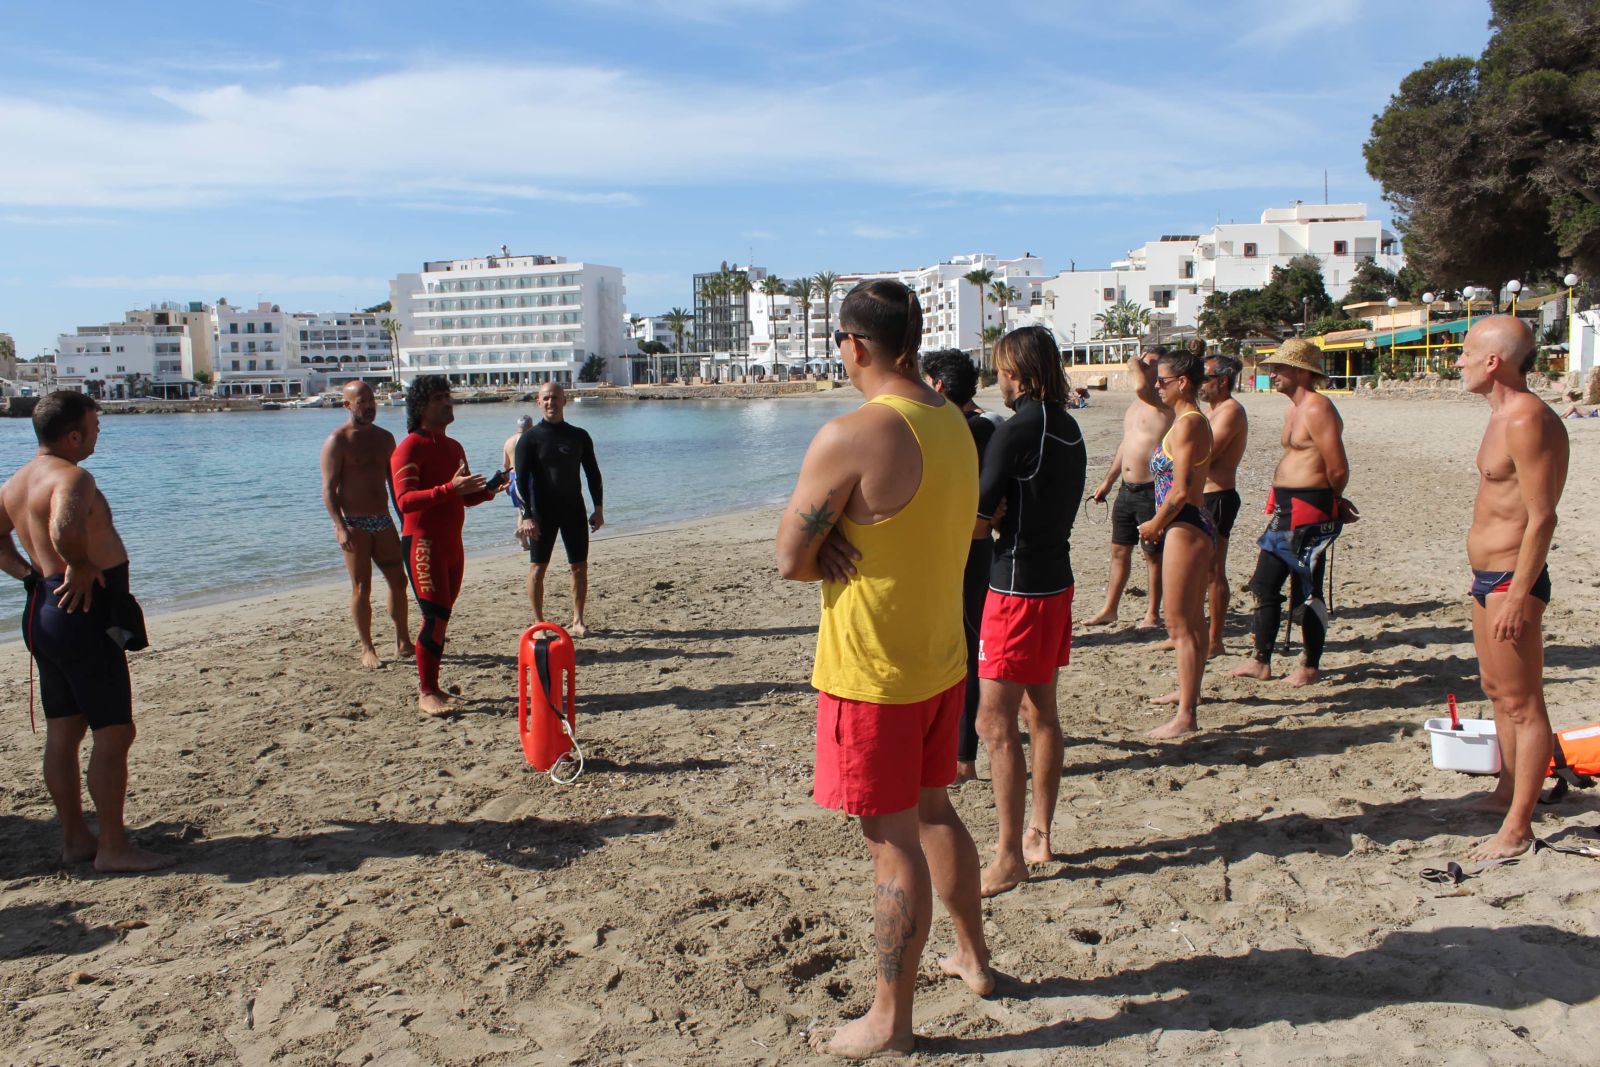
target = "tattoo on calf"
x: 892, y: 928
x: 817, y: 522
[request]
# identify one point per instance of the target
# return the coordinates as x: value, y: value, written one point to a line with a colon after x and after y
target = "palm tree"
x: 392, y: 328
x: 826, y: 282
x: 1125, y: 318
x: 772, y: 287
x: 678, y: 320
x: 634, y: 322
x: 801, y: 289
x: 991, y: 336
x: 980, y: 277
x: 739, y: 288
x: 1001, y: 294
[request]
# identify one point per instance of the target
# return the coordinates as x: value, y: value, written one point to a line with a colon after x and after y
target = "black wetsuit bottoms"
x: 568, y: 519
x: 83, y: 668
x: 1293, y: 510
x: 974, y: 594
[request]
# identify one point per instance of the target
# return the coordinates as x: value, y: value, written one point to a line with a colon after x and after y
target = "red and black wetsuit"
x: 431, y: 519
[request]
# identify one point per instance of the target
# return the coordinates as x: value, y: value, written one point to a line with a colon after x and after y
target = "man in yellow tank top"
x: 883, y: 515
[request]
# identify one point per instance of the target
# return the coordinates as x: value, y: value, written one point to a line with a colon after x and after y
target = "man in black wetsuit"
x: 548, y: 458
x: 950, y: 372
x: 1034, y: 466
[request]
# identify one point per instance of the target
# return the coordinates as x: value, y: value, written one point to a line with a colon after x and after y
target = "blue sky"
x: 305, y: 152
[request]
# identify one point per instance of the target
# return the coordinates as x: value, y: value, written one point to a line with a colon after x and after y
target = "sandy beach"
x: 359, y: 885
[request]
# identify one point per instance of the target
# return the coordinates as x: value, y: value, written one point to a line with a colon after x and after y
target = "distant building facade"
x: 343, y: 346
x: 509, y: 320
x: 199, y: 324
x: 125, y: 360
x: 1173, y: 275
x: 257, y: 352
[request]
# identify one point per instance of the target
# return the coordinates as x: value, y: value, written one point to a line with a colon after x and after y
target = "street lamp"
x: 1467, y: 293
x: 1393, y: 354
x: 1513, y: 287
x: 1427, y: 333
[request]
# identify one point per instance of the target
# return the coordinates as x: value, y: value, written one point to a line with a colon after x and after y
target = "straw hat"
x: 1298, y: 352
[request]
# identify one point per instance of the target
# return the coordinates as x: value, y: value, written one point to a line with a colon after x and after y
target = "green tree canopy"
x: 1493, y: 164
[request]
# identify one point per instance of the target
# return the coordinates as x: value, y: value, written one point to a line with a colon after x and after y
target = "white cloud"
x: 478, y: 134
x: 228, y: 282
x: 883, y: 233
x: 24, y: 219
x: 1277, y: 23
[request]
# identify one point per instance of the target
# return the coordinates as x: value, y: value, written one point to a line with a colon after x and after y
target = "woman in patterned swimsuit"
x: 1187, y: 530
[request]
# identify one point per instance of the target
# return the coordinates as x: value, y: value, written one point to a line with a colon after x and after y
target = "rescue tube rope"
x: 567, y: 757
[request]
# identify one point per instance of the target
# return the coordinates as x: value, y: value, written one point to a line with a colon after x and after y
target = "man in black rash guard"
x: 548, y: 458
x: 1035, y: 465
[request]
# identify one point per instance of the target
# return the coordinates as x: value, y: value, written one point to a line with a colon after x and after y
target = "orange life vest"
x: 1574, y: 759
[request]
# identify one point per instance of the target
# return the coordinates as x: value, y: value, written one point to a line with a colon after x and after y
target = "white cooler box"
x: 1472, y: 749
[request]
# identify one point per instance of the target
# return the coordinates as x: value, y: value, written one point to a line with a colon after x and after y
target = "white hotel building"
x: 257, y: 352
x: 954, y: 312
x: 1172, y: 276
x: 510, y: 320
x: 122, y: 360
x: 340, y: 347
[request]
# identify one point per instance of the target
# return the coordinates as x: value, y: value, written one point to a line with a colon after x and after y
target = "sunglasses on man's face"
x: 840, y: 335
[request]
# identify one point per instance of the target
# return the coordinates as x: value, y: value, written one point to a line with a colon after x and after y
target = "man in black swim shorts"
x: 80, y: 621
x: 548, y: 459
x: 1143, y: 425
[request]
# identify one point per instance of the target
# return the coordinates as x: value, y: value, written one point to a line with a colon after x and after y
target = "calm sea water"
x: 229, y: 505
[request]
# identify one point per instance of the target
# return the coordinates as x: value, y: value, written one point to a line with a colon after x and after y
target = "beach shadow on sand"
x: 48, y: 930
x: 1233, y: 745
x: 688, y: 698
x: 1456, y: 965
x: 529, y: 843
x: 1288, y: 834
x: 601, y: 765
x: 714, y: 633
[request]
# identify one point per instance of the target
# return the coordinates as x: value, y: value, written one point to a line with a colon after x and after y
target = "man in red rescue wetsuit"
x: 433, y: 489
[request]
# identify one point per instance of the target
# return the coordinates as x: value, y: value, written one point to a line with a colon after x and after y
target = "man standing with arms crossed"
x: 1308, y: 510
x: 433, y: 489
x: 893, y: 487
x: 1230, y: 432
x: 80, y: 620
x: 1035, y: 467
x: 1522, y: 467
x: 1143, y: 426
x: 355, y: 490
x: 548, y: 458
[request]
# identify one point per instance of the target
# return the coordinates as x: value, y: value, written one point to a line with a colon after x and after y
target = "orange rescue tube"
x: 546, y: 694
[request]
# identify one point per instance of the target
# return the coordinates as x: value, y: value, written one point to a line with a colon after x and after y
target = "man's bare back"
x: 49, y: 487
x: 1229, y: 435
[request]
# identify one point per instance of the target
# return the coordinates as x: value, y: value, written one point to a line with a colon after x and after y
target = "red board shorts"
x: 873, y: 759
x: 1025, y: 639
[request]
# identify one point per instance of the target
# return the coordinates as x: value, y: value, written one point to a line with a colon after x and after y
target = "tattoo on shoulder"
x: 817, y: 522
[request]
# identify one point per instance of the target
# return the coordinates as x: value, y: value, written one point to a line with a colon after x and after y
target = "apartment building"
x: 257, y: 352
x: 339, y: 347
x: 198, y: 322
x: 1173, y: 275
x: 124, y: 360
x: 510, y: 320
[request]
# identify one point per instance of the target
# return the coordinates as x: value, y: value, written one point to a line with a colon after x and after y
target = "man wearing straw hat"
x: 1308, y: 510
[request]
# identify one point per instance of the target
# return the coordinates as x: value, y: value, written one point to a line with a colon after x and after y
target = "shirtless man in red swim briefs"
x: 433, y: 489
x: 882, y: 515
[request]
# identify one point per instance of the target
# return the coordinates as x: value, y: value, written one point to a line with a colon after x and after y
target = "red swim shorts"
x: 1025, y: 639
x: 873, y: 759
